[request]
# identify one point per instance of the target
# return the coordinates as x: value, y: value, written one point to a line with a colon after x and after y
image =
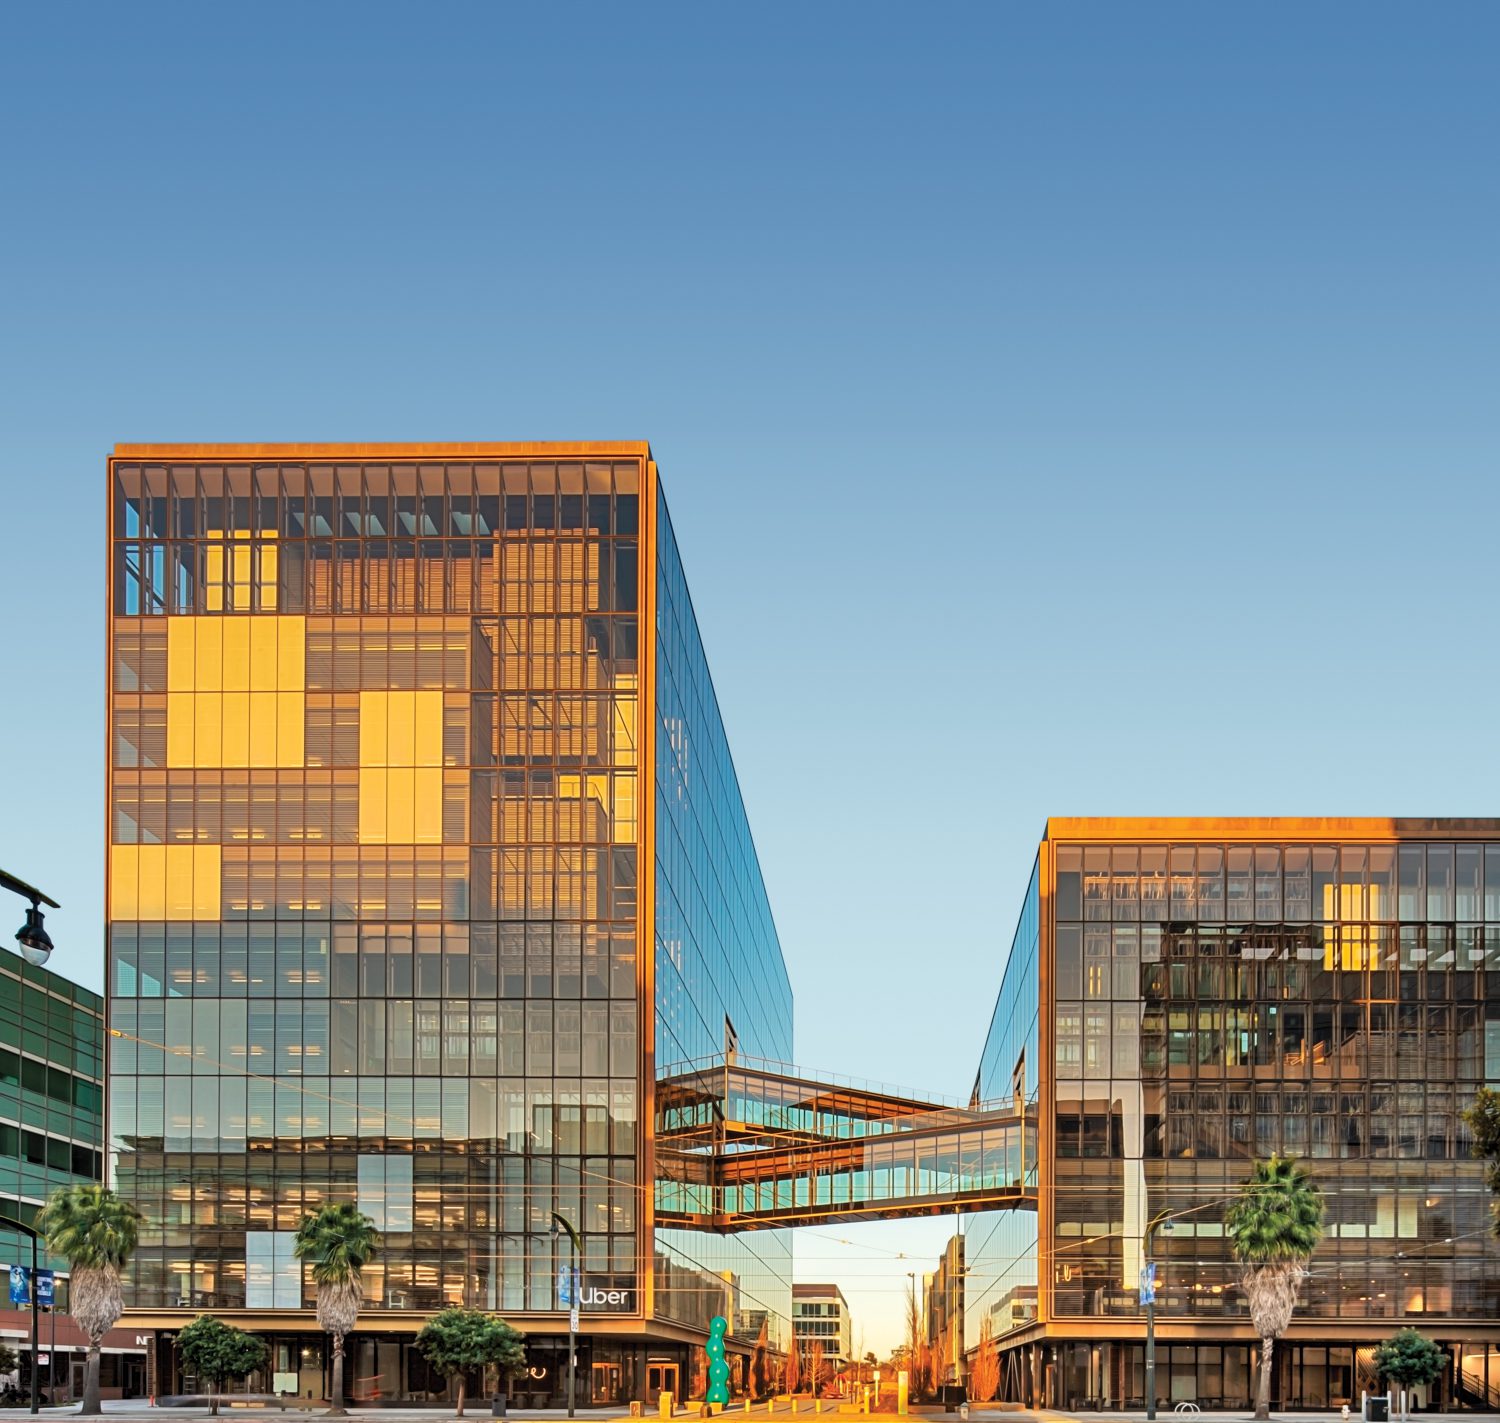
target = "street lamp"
x: 36, y: 943
x: 561, y: 1223
x: 8, y: 1223
x: 1163, y: 1221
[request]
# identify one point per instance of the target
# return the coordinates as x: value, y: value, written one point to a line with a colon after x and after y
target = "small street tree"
x: 1483, y: 1120
x: 454, y: 1341
x: 817, y: 1370
x: 338, y: 1241
x: 95, y: 1231
x: 1274, y: 1225
x: 8, y: 1361
x: 984, y: 1377
x: 1410, y: 1359
x: 758, y: 1384
x: 220, y: 1352
x: 794, y: 1367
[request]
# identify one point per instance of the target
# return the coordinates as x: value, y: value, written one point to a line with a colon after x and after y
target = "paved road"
x: 134, y: 1411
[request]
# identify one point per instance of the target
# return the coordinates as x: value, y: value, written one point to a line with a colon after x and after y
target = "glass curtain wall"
x: 51, y: 1096
x: 373, y: 872
x: 721, y: 983
x: 1000, y: 1283
x: 1218, y: 1002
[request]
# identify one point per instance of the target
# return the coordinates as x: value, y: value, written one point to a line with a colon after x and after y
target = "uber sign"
x: 606, y: 1294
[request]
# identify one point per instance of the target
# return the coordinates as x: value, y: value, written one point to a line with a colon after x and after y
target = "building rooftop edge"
x: 358, y: 449
x: 1272, y: 827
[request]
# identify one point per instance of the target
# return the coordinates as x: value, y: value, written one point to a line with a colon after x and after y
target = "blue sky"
x: 1065, y: 409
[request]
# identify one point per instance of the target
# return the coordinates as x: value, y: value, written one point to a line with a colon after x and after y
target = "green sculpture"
x: 718, y: 1365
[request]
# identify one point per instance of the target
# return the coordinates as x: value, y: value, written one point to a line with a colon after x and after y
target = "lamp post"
x: 36, y: 944
x: 1163, y: 1221
x: 9, y: 1223
x: 561, y: 1223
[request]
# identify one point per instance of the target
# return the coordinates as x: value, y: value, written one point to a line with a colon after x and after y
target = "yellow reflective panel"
x: 625, y: 828
x: 207, y: 873
x: 208, y: 740
x: 236, y: 674
x: 124, y: 881
x: 427, y: 717
x: 401, y: 734
x: 152, y: 882
x: 1352, y: 906
x: 372, y: 797
x: 182, y: 675
x: 263, y: 667
x: 291, y: 655
x: 262, y: 728
x: 427, y: 798
x: 268, y: 573
x: 180, y: 713
x: 401, y: 728
x: 372, y: 729
x: 213, y: 575
x: 172, y: 882
x: 290, y: 728
x: 208, y: 659
x: 239, y: 593
x: 400, y: 811
x: 624, y: 724
x: 236, y: 728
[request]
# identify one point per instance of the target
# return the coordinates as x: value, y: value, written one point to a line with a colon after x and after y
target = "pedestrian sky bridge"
x: 744, y: 1144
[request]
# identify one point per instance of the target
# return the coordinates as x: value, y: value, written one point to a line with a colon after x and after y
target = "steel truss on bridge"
x: 743, y: 1144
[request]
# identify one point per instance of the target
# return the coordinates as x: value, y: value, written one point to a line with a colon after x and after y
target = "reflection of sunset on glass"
x: 1088, y: 421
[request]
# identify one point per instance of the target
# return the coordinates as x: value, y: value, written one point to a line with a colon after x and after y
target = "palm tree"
x: 95, y: 1231
x: 1274, y: 1225
x: 339, y: 1240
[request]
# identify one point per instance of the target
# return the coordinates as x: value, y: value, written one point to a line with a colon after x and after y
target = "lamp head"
x: 36, y: 943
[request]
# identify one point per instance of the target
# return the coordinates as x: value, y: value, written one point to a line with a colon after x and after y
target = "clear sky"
x: 1064, y: 409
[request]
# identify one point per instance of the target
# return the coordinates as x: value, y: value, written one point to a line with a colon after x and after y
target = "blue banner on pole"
x: 1148, y: 1283
x: 19, y: 1292
x: 567, y: 1286
x: 44, y: 1288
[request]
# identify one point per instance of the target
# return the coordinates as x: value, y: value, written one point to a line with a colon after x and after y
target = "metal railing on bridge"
x: 745, y: 1144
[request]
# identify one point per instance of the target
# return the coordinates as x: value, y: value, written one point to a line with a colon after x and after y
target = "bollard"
x: 664, y: 1405
x: 794, y: 1403
x: 747, y: 1403
x: 636, y: 1410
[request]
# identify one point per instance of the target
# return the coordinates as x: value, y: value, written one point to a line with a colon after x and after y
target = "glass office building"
x: 1184, y: 996
x: 51, y: 1094
x: 52, y: 1135
x: 426, y: 854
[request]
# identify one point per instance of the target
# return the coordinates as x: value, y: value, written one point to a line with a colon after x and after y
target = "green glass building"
x: 51, y: 1093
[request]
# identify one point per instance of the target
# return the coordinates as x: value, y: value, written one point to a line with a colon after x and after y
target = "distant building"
x: 943, y: 1313
x: 51, y: 1135
x: 821, y: 1313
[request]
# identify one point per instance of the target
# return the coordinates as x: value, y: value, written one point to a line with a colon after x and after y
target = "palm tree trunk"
x: 336, y: 1384
x: 1263, y: 1389
x: 90, y: 1404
